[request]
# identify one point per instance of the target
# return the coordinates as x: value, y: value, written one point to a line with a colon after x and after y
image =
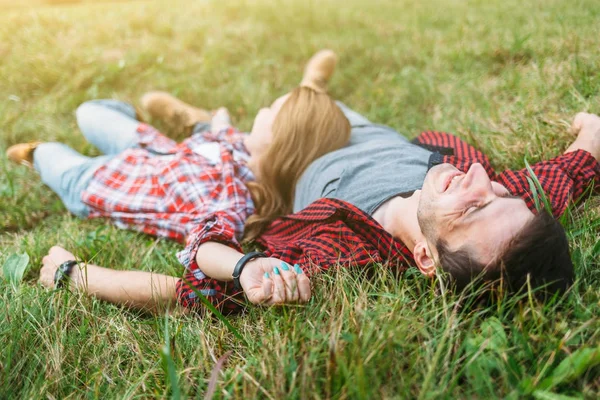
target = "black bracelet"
x: 63, y: 272
x: 237, y: 271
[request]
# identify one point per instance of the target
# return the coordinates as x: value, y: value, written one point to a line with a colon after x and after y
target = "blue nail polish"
x: 284, y: 266
x: 267, y: 275
x: 297, y: 269
x: 276, y: 271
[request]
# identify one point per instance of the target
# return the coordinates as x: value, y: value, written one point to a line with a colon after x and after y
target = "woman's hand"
x: 50, y: 263
x: 270, y: 281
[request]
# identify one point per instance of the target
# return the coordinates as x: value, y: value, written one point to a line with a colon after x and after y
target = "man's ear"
x: 423, y: 258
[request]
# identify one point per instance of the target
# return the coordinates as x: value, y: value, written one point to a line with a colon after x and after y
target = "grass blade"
x: 216, y: 312
x: 537, y: 189
x: 169, y: 364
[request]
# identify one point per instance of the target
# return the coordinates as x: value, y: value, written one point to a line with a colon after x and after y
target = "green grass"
x: 506, y: 75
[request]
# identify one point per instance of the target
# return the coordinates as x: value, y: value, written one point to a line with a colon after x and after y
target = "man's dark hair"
x: 539, y: 253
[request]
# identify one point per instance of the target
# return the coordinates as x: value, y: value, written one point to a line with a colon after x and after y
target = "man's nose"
x: 477, y: 180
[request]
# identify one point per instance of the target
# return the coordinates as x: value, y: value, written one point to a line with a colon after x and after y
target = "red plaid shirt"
x: 167, y: 189
x: 332, y: 232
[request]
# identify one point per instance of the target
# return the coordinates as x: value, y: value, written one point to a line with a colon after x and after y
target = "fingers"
x: 304, y: 290
x: 290, y: 283
x: 267, y: 287
x: 279, y: 292
x: 287, y: 284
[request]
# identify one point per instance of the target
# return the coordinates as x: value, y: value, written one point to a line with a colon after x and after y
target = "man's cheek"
x: 499, y: 189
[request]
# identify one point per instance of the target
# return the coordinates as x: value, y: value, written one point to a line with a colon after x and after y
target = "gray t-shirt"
x: 375, y: 166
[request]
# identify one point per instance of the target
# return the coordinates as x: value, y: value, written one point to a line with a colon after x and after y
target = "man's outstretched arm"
x: 146, y: 291
x: 567, y: 177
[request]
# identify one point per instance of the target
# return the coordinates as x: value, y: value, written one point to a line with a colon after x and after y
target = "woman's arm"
x: 147, y: 291
x: 217, y: 260
x: 264, y: 280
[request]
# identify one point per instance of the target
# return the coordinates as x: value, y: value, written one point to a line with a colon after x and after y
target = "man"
x: 454, y: 211
x: 435, y: 203
x: 382, y: 199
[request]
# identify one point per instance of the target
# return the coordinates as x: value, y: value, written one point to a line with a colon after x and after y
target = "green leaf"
x: 572, y: 367
x: 491, y: 335
x: 14, y: 268
x: 493, y: 329
x: 544, y: 395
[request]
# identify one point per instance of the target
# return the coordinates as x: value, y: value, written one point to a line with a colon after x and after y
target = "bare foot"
x: 587, y: 128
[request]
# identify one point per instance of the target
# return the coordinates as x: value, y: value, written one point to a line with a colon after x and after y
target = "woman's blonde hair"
x: 308, y: 126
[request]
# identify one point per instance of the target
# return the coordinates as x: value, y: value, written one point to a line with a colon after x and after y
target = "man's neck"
x: 398, y: 216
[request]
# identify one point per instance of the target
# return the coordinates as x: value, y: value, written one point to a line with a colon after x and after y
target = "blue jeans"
x: 109, y: 125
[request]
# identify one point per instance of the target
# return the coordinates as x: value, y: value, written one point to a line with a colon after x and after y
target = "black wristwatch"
x: 237, y: 271
x: 63, y: 273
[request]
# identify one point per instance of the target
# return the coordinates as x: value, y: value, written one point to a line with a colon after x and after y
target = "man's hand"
x: 587, y: 128
x: 270, y: 281
x: 50, y: 263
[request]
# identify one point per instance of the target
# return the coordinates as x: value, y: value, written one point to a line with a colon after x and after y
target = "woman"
x: 197, y: 188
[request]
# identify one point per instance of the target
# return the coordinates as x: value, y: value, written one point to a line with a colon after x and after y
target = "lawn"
x: 506, y: 75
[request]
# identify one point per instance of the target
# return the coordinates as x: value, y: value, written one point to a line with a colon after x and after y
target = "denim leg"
x: 67, y: 173
x: 110, y: 125
x: 355, y: 118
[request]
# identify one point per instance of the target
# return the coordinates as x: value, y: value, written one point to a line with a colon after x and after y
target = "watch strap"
x: 63, y: 273
x: 237, y: 271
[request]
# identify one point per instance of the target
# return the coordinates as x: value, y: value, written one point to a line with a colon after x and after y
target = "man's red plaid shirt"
x: 332, y: 232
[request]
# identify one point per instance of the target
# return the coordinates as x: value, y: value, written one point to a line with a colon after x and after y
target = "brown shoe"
x: 161, y: 105
x: 319, y: 70
x: 22, y: 153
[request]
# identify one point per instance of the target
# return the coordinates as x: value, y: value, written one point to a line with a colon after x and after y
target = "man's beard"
x: 425, y: 219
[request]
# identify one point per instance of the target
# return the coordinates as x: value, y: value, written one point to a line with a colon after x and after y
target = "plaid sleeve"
x: 151, y: 139
x: 220, y: 294
x: 221, y: 227
x: 563, y: 178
